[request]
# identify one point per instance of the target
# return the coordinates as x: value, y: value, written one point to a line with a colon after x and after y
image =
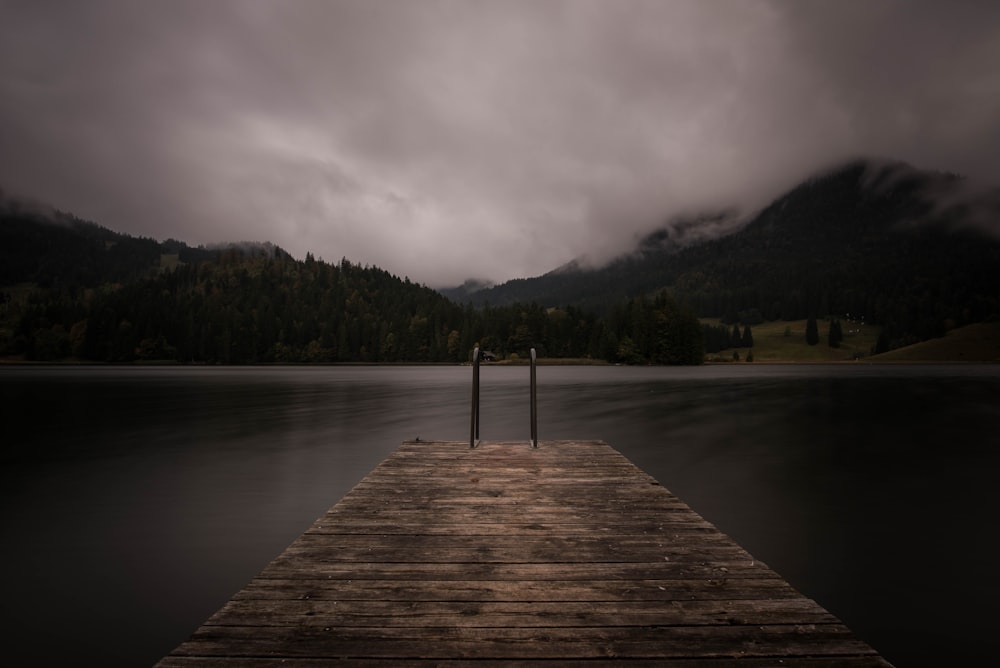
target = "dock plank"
x: 509, y: 555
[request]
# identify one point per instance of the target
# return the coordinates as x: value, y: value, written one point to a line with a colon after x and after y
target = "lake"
x: 137, y: 500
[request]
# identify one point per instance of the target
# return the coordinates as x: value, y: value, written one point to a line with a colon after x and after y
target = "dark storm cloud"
x: 913, y: 77
x: 448, y: 139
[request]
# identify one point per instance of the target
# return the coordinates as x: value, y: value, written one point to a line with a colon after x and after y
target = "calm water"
x: 136, y: 501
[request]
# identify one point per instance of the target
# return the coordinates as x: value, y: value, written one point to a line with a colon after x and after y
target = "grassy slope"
x: 772, y: 344
x: 974, y: 343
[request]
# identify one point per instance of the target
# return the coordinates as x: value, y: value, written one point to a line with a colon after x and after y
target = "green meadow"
x: 785, y: 341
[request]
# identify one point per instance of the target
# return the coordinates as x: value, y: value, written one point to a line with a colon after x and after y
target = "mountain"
x: 70, y: 288
x: 73, y: 290
x: 900, y: 247
x: 577, y: 283
x: 40, y: 245
x: 470, y: 287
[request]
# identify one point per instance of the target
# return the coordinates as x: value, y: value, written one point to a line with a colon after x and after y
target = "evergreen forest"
x: 866, y: 242
x: 73, y: 290
x: 884, y: 243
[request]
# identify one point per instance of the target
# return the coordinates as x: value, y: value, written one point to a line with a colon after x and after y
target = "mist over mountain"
x: 469, y: 287
x: 916, y: 253
x: 72, y: 290
x: 914, y: 250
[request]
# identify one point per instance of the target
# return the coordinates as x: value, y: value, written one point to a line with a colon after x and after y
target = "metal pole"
x: 475, y: 374
x: 534, y: 403
x: 474, y: 431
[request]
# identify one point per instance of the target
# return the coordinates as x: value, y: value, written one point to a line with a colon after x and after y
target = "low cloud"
x: 449, y: 139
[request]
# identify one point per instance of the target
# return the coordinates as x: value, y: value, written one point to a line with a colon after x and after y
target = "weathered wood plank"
x: 717, y: 566
x: 867, y: 661
x: 386, y: 526
x: 508, y: 555
x: 410, y: 586
x: 524, y: 643
x: 381, y: 613
x: 645, y: 547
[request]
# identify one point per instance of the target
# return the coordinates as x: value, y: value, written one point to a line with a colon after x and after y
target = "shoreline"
x: 541, y: 361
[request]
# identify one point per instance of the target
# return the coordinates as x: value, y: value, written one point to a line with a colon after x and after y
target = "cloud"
x: 911, y: 77
x: 444, y: 139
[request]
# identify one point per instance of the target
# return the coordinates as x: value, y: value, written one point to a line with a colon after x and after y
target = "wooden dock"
x: 562, y: 555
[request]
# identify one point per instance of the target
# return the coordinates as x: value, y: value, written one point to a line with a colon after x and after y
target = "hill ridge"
x: 869, y: 236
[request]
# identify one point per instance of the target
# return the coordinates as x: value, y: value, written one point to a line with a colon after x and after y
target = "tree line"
x: 855, y: 240
x: 255, y: 304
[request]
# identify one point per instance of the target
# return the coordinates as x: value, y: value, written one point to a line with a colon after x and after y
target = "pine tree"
x: 836, y: 334
x: 812, y: 331
x: 882, y: 344
x: 747, y: 337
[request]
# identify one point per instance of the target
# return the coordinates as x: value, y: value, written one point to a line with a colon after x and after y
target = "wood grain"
x: 505, y: 555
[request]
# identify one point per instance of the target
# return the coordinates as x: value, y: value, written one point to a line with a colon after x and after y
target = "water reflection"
x: 138, y: 500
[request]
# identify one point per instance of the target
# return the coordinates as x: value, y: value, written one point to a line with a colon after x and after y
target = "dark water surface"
x: 136, y: 501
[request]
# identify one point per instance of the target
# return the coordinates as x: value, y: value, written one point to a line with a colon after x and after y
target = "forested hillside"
x: 864, y: 243
x: 865, y: 239
x: 70, y: 289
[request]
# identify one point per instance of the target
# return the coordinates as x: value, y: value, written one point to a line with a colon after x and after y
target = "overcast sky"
x: 443, y: 140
